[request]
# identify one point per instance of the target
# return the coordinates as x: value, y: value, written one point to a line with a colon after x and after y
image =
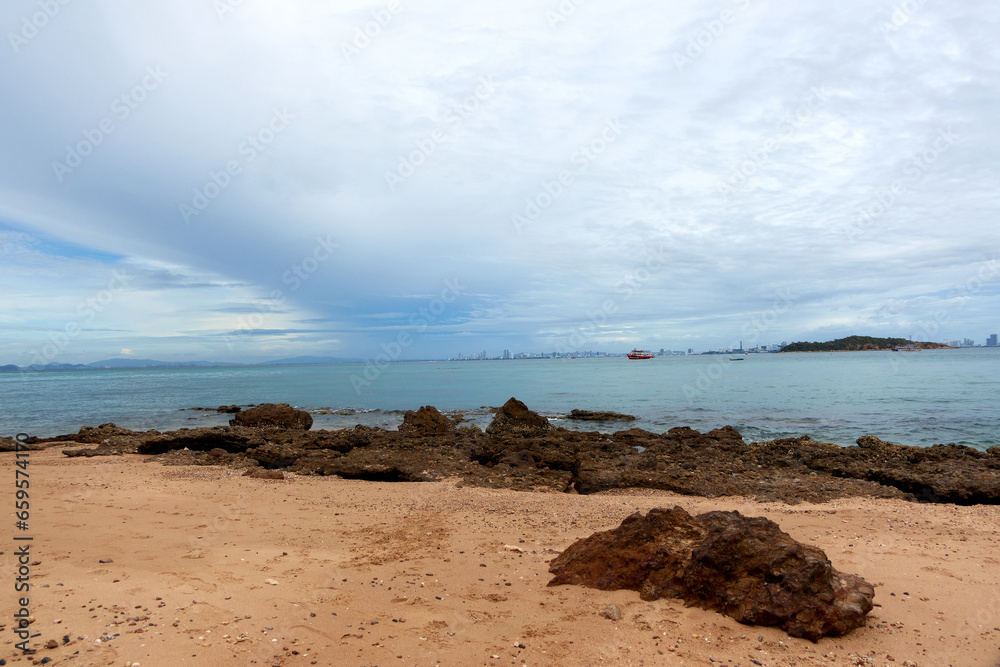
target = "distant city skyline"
x: 483, y: 355
x: 505, y: 354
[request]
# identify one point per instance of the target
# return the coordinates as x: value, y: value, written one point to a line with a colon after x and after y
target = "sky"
x: 243, y: 180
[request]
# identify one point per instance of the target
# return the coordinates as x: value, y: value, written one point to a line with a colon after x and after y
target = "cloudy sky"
x: 253, y: 179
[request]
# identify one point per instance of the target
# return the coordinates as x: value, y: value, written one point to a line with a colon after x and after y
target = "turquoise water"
x: 918, y: 398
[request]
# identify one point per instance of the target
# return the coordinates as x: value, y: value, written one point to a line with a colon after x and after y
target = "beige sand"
x: 210, y: 568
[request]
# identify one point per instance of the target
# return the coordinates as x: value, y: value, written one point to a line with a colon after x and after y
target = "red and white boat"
x: 640, y: 354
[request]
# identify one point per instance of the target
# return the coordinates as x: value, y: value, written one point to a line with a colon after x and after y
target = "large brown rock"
x: 426, y: 421
x: 514, y: 418
x: 743, y: 567
x: 280, y: 415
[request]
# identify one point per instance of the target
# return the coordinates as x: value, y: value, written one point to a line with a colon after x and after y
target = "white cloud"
x: 816, y: 118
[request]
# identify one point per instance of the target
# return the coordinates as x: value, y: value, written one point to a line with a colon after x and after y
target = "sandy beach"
x: 137, y: 563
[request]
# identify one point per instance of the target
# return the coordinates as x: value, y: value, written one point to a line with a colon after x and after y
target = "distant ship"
x: 640, y: 354
x: 907, y: 348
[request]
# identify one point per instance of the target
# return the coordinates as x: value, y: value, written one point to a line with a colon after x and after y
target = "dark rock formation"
x: 198, y: 439
x: 745, y: 568
x: 940, y: 473
x: 425, y: 422
x: 523, y: 452
x: 12, y: 445
x: 514, y: 418
x: 373, y: 465
x: 95, y: 451
x: 596, y: 416
x: 95, y: 435
x: 280, y: 415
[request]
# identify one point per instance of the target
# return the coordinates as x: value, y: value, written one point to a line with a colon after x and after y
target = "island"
x: 858, y: 343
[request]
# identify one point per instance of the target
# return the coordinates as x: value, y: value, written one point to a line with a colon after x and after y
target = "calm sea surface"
x: 916, y: 398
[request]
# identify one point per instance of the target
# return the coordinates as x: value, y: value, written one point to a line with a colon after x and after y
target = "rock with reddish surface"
x: 514, y: 418
x: 426, y: 421
x: 743, y: 567
x: 271, y: 415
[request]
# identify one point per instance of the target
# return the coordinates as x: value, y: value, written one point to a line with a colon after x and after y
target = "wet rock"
x: 269, y: 415
x: 745, y: 568
x: 426, y: 421
x: 514, y: 418
x: 591, y: 415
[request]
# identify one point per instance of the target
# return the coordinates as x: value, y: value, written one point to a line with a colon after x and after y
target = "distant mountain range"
x: 120, y: 362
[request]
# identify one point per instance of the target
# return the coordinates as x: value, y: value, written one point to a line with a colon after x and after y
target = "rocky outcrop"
x: 426, y: 421
x: 522, y: 451
x: 378, y: 465
x: 12, y: 445
x: 940, y: 473
x: 515, y: 419
x: 273, y: 415
x: 743, y: 567
x: 97, y: 435
x: 201, y: 440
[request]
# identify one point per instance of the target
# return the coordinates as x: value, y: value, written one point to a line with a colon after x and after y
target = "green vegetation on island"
x: 857, y: 343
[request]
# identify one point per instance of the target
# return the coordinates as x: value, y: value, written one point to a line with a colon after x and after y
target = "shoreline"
x: 522, y: 450
x: 432, y: 573
x: 336, y: 419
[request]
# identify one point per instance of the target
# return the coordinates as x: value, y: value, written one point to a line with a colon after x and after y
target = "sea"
x: 914, y: 398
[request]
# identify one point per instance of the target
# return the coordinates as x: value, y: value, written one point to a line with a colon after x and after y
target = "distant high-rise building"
x: 991, y: 341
